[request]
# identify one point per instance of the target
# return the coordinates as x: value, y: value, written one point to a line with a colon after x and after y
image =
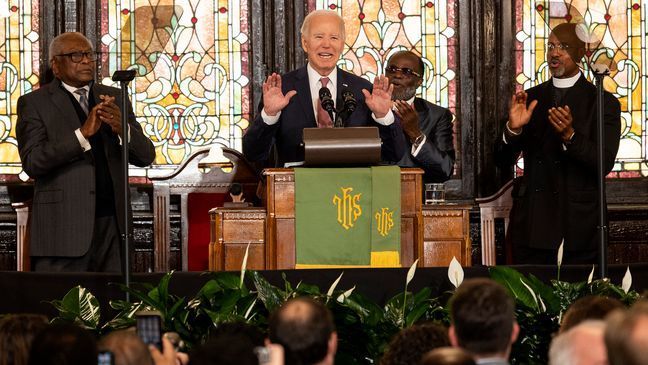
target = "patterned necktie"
x: 83, y: 99
x: 323, y: 118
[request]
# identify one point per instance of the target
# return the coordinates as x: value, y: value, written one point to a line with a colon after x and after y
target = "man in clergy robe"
x: 553, y: 125
x: 427, y: 127
x: 68, y: 134
x: 291, y: 102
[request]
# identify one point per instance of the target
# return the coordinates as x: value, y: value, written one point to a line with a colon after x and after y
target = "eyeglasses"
x: 560, y: 46
x: 77, y: 57
x: 404, y: 71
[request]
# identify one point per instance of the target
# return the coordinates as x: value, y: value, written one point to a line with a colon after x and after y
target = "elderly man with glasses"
x: 68, y: 139
x: 427, y: 127
x: 553, y: 125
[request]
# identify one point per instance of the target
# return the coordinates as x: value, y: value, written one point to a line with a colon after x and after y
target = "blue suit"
x: 287, y: 133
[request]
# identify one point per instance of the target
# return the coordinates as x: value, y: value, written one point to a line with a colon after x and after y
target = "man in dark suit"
x: 427, y: 127
x: 554, y: 126
x: 291, y: 102
x: 68, y: 138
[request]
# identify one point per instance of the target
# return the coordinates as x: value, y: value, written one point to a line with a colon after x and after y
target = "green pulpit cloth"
x: 347, y: 217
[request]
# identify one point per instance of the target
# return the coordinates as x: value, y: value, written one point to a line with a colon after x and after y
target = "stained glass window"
x: 377, y: 29
x: 192, y: 59
x: 19, y: 62
x: 619, y: 31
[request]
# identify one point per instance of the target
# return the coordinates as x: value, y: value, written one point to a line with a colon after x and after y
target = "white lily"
x: 329, y: 293
x: 455, y: 272
x: 342, y: 297
x: 591, y: 276
x: 626, y: 283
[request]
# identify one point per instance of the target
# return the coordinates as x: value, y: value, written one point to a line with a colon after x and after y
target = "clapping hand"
x: 519, y: 113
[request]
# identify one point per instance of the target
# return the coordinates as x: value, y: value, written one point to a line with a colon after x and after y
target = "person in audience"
x: 588, y: 307
x: 580, y: 345
x: 447, y: 356
x: 63, y: 344
x: 554, y: 127
x: 291, y: 102
x: 409, y: 345
x: 17, y: 332
x: 626, y: 335
x: 68, y: 135
x: 305, y: 329
x: 483, y: 321
x: 231, y: 343
x: 427, y: 127
x: 127, y: 348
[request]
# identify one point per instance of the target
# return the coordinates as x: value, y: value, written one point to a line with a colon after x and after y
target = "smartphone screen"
x: 149, y: 328
x: 105, y: 358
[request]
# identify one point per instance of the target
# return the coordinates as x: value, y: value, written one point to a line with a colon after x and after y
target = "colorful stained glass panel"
x: 192, y: 59
x: 19, y: 64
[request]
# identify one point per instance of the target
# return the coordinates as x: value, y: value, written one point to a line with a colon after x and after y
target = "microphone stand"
x: 124, y: 77
x: 599, y: 75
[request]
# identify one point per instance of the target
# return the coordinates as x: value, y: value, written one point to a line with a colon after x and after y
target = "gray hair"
x: 56, y: 45
x: 561, y: 351
x: 305, y: 28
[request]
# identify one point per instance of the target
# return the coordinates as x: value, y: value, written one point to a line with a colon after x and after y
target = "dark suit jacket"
x: 64, y: 176
x: 557, y: 196
x: 437, y: 155
x: 287, y: 133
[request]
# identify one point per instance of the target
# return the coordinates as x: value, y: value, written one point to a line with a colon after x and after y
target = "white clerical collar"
x: 411, y: 100
x: 565, y: 82
x: 314, y: 75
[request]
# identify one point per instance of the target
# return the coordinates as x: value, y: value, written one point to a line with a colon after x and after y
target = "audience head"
x: 483, y: 318
x: 305, y: 329
x: 63, y: 344
x: 581, y: 345
x: 626, y: 335
x: 17, y: 332
x: 72, y: 59
x: 231, y: 343
x: 405, y: 72
x: 564, y: 50
x: 409, y: 345
x: 589, y: 307
x: 448, y: 356
x: 322, y: 36
x: 127, y: 348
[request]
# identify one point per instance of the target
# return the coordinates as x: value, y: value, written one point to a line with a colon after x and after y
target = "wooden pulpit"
x: 270, y: 231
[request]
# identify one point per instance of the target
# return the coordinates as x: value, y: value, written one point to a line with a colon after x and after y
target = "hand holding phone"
x: 149, y: 327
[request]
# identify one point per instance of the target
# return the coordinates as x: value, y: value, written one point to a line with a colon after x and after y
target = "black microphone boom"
x: 349, y: 100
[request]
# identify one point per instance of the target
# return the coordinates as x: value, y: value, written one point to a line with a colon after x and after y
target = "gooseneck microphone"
x: 327, y: 101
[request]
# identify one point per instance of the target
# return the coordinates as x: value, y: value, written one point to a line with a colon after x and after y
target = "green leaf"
x: 267, y: 293
x: 78, y: 306
x: 512, y: 279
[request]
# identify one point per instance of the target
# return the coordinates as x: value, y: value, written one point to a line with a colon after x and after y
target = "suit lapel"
x: 304, y: 95
x: 62, y: 101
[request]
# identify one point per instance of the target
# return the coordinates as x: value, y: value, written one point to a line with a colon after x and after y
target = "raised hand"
x: 379, y: 101
x: 561, y: 120
x: 274, y: 99
x: 409, y: 119
x: 519, y: 113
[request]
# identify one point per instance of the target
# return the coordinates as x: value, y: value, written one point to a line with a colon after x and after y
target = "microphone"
x: 348, y: 100
x: 327, y: 100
